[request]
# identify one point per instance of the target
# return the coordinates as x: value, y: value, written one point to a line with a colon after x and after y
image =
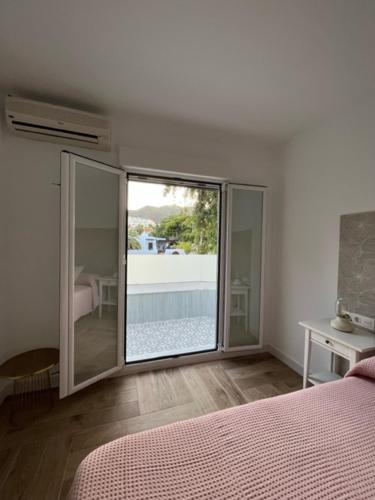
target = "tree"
x: 139, y: 229
x: 133, y: 243
x: 200, y: 228
x: 175, y: 227
x: 205, y: 220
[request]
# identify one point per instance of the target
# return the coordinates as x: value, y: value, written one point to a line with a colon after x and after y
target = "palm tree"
x: 133, y: 242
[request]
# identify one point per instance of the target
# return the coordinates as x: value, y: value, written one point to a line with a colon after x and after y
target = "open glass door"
x: 92, y: 272
x: 244, y: 267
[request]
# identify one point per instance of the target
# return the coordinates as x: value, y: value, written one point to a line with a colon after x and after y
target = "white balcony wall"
x: 148, y: 269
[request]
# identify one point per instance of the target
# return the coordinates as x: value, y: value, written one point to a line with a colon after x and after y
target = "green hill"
x: 157, y: 214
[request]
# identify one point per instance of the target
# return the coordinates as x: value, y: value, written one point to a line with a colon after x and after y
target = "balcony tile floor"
x: 171, y: 337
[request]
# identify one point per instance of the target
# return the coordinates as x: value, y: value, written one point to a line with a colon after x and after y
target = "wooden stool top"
x: 29, y: 363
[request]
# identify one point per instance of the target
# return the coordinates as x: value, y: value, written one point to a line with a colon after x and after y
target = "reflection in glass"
x: 96, y: 264
x: 245, y: 266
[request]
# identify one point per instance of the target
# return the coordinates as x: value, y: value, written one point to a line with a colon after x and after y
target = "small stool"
x: 30, y: 372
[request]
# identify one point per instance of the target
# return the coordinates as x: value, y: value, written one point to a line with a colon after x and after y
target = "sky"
x: 146, y: 193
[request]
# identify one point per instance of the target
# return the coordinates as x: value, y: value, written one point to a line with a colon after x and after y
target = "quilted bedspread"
x: 317, y: 443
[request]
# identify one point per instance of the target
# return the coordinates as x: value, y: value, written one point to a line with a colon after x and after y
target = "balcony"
x: 171, y: 305
x: 169, y: 319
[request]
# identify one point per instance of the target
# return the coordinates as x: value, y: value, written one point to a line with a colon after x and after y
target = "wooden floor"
x: 39, y: 460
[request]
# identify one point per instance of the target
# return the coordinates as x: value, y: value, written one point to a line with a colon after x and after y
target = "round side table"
x: 30, y: 372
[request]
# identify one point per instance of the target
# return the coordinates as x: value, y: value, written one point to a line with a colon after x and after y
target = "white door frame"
x: 152, y: 175
x: 67, y: 244
x: 228, y: 277
x: 68, y: 163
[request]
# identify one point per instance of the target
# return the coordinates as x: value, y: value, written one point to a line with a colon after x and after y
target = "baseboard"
x: 292, y: 363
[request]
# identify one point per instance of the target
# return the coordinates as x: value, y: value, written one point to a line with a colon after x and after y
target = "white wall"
x: 29, y: 248
x: 146, y: 269
x: 329, y: 171
x: 30, y: 211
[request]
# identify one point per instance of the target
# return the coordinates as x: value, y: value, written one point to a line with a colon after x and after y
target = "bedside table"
x: 351, y: 346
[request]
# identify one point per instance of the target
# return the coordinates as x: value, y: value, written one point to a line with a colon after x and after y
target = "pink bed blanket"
x: 318, y: 443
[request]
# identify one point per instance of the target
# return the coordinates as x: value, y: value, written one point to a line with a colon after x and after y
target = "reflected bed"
x: 86, y: 297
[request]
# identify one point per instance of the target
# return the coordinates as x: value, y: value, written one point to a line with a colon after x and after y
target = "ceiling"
x: 265, y: 67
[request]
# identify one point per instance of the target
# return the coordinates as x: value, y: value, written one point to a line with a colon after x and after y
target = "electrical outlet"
x: 363, y: 321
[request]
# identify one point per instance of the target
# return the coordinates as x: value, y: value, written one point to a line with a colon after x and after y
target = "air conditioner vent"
x: 46, y: 122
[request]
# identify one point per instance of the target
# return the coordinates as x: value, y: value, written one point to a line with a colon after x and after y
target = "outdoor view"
x: 172, y: 269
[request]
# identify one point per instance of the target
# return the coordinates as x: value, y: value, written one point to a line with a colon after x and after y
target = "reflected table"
x: 106, y: 285
x: 237, y: 293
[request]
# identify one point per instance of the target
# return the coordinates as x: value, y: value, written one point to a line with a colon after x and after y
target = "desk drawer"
x: 331, y: 345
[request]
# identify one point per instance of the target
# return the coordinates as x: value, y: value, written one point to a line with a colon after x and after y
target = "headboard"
x: 356, y: 280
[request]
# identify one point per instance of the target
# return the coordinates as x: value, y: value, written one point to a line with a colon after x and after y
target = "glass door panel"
x: 95, y: 307
x: 244, y: 267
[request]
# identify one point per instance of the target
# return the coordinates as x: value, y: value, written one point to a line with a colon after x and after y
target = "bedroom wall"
x: 30, y: 211
x: 329, y: 171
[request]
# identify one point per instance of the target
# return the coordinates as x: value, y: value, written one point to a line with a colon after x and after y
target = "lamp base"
x: 342, y: 324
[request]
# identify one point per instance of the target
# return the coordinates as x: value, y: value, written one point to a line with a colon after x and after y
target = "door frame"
x: 66, y: 279
x: 67, y: 264
x: 148, y: 175
x: 228, y: 278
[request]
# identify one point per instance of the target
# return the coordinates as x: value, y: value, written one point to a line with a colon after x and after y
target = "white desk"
x: 351, y: 346
x: 107, y: 292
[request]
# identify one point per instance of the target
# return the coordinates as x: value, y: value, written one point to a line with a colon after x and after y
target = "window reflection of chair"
x: 240, y: 303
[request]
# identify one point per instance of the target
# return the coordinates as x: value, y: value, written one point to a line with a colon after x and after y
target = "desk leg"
x: 306, y: 362
x: 354, y: 358
x: 100, y: 299
x: 333, y: 362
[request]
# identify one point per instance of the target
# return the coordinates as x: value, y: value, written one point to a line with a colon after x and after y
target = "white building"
x: 150, y: 245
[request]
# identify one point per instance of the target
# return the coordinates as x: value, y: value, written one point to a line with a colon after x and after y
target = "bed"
x: 86, y: 296
x: 317, y: 443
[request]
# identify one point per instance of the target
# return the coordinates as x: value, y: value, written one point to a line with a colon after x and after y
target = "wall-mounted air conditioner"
x: 47, y: 122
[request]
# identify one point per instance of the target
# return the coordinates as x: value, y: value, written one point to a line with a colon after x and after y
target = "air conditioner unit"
x: 47, y: 122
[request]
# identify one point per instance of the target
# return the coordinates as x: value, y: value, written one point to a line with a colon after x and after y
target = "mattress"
x: 317, y: 443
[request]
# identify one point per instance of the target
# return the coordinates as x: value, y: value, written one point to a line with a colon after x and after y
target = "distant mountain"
x: 157, y: 214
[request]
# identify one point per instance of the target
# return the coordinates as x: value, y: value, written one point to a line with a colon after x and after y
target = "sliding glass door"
x: 245, y: 238
x: 172, y: 268
x: 92, y: 271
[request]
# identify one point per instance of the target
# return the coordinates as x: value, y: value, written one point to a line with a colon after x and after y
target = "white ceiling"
x: 269, y: 67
